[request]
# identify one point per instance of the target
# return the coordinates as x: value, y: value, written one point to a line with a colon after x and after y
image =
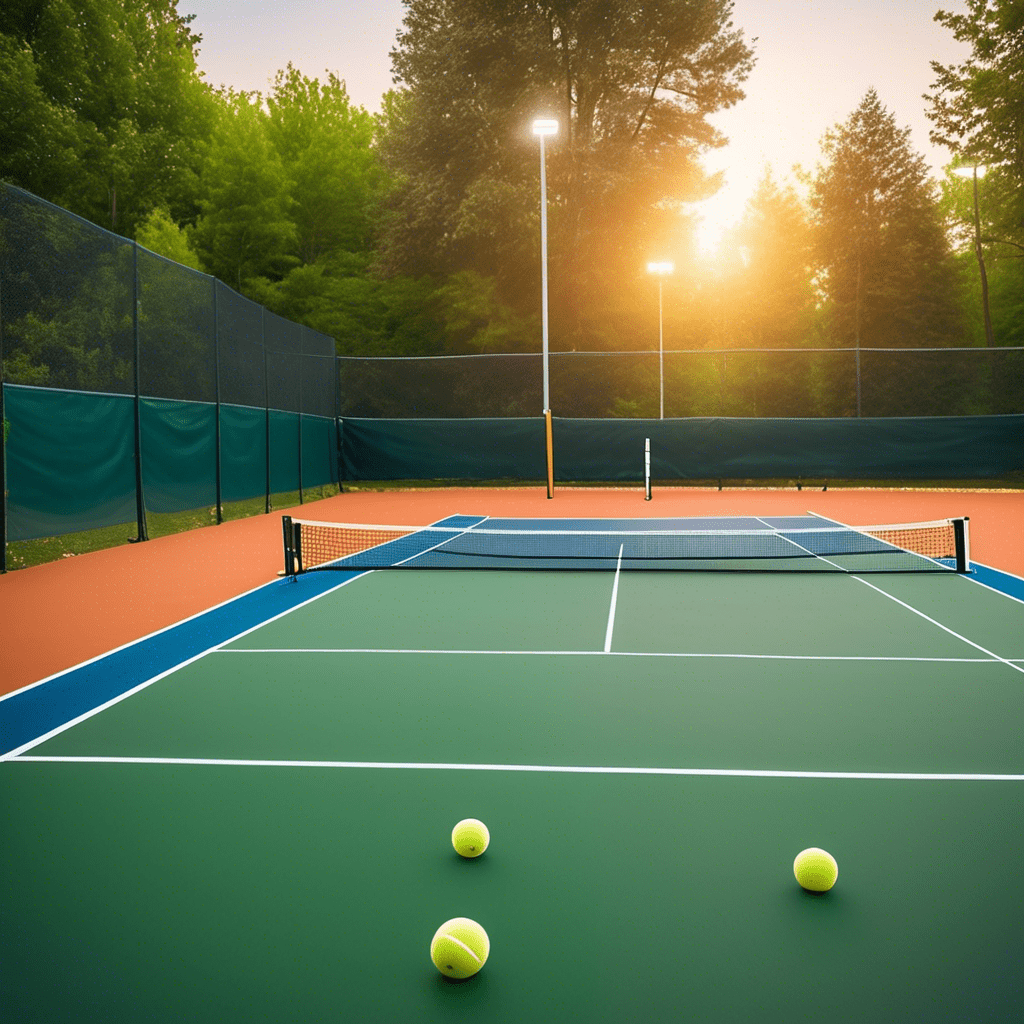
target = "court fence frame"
x: 132, y: 385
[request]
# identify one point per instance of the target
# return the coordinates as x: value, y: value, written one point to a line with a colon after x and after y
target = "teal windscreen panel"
x: 243, y: 452
x: 912, y: 448
x: 319, y: 451
x: 179, y: 455
x: 284, y: 451
x: 463, y: 449
x: 70, y: 461
x: 922, y: 448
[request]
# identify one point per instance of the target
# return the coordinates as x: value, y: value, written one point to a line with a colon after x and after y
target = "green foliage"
x: 880, y: 241
x: 107, y: 108
x: 245, y: 230
x: 158, y: 233
x: 632, y: 94
x: 325, y: 147
x: 977, y: 107
x: 477, y: 321
x: 769, y: 292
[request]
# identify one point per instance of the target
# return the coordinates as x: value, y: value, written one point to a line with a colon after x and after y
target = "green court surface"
x: 263, y: 834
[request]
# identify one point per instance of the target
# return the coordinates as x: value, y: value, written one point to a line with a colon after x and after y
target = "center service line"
x: 615, y: 597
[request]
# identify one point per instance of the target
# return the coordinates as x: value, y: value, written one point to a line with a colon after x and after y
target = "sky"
x: 816, y: 59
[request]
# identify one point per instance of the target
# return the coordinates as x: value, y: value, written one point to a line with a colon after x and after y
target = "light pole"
x: 661, y: 269
x: 542, y: 128
x: 976, y: 172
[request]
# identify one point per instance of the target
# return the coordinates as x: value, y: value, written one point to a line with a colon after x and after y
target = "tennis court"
x: 260, y: 831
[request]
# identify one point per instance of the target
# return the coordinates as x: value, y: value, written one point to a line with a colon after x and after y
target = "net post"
x: 963, y: 544
x: 292, y: 546
x: 550, y: 453
x: 647, y: 469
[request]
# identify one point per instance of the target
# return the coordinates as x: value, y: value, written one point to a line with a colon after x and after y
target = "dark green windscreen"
x: 685, y: 449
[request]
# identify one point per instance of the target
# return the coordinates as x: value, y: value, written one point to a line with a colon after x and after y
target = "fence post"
x: 216, y: 384
x: 140, y: 504
x: 302, y: 352
x: 3, y: 442
x: 338, y: 434
x: 266, y: 396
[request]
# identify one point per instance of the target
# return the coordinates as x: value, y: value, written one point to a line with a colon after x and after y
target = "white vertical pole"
x: 661, y: 350
x: 544, y: 266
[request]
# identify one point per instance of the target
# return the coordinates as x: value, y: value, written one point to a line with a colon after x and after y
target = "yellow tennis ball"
x: 459, y: 948
x: 816, y: 869
x: 470, y: 837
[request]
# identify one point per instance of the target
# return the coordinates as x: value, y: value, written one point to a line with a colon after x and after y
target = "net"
x: 938, y: 546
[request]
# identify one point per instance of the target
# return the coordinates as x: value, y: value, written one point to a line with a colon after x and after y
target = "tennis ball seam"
x: 459, y: 942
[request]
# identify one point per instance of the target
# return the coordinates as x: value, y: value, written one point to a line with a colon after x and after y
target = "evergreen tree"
x: 772, y: 288
x: 881, y: 249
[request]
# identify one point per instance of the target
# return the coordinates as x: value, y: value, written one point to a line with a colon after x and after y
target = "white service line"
x: 800, y: 546
x: 611, y: 611
x: 162, y: 675
x: 552, y: 768
x: 615, y: 654
x: 935, y: 622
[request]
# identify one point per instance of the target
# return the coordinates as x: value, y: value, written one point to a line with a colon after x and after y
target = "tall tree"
x: 772, y: 287
x: 326, y: 148
x: 113, y: 105
x: 977, y: 110
x: 245, y: 230
x: 882, y: 251
x: 631, y: 84
x: 977, y: 107
x: 880, y: 239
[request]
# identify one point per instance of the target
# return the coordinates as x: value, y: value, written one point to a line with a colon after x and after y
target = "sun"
x: 716, y: 216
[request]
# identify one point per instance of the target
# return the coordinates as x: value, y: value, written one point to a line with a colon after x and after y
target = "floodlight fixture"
x: 545, y: 126
x: 661, y: 268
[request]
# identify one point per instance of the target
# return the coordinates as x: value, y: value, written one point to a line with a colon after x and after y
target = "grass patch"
x: 21, y: 554
x: 1008, y: 482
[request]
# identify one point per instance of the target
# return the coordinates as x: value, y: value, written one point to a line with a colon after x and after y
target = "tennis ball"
x: 470, y: 837
x: 816, y: 869
x: 459, y: 948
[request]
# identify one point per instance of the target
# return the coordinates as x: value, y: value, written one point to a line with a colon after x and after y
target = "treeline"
x: 415, y: 230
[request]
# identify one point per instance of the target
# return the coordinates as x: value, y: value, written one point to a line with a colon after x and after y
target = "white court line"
x: 995, y: 590
x: 615, y: 654
x: 928, y: 618
x: 935, y: 622
x: 757, y: 773
x: 17, y: 751
x: 615, y: 597
x: 779, y: 533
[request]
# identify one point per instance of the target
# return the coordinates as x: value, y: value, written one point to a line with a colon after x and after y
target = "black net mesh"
x: 283, y: 343
x: 316, y: 365
x: 177, y: 351
x: 240, y: 349
x: 67, y: 299
x: 780, y: 384
x: 450, y: 387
